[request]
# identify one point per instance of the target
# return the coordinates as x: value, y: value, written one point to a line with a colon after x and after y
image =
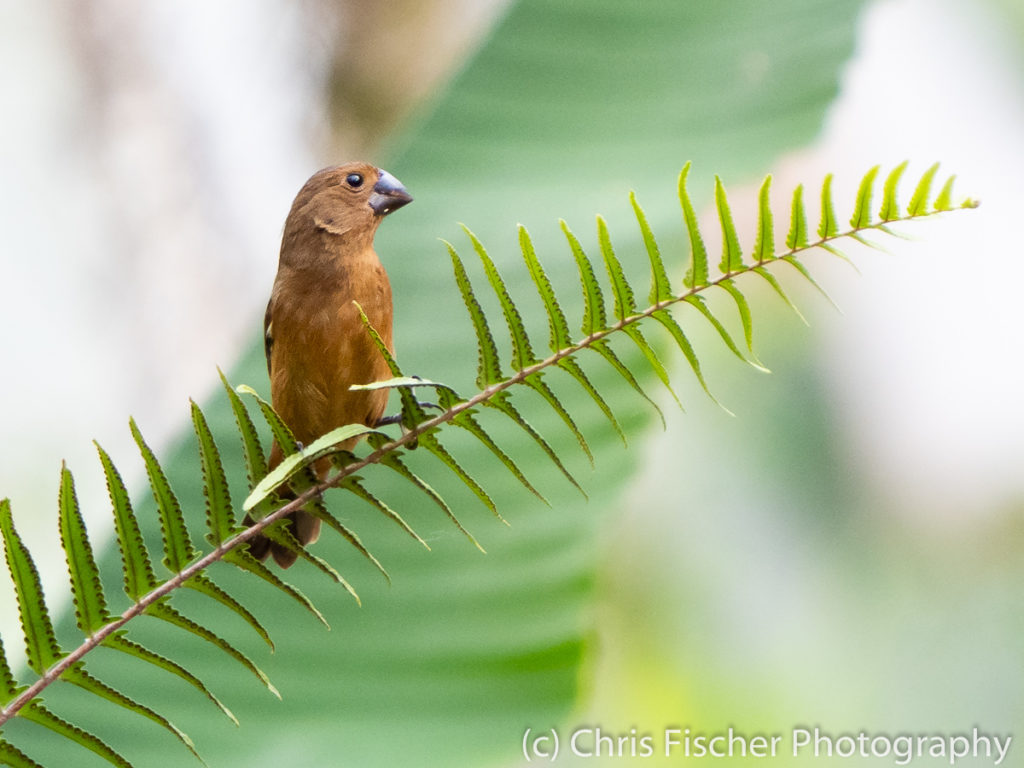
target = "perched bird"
x: 316, y: 343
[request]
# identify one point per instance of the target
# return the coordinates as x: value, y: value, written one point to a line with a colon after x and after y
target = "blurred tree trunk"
x: 150, y: 153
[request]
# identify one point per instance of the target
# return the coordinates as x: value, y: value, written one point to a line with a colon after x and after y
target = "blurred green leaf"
x: 564, y: 109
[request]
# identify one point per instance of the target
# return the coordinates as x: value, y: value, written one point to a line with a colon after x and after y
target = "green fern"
x: 498, y: 392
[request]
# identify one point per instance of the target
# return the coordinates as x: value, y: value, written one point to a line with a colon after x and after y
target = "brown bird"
x: 316, y: 344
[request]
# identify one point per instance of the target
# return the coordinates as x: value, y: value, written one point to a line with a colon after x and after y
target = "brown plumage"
x: 316, y: 344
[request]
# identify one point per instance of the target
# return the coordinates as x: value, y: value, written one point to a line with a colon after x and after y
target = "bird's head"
x: 348, y: 200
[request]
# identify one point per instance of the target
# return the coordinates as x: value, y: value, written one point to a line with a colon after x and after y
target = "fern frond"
x: 797, y: 237
x: 732, y: 254
x: 164, y: 611
x: 625, y: 305
x: 77, y: 675
x: 697, y: 272
x: 594, y: 316
x: 247, y: 562
x: 538, y: 385
x: 429, y: 441
x: 300, y: 477
x: 806, y: 274
x: 14, y: 757
x: 412, y: 412
x: 625, y: 301
x: 91, y: 610
x: 35, y: 712
x: 279, y: 533
x: 746, y: 320
x: 178, y: 546
x: 202, y: 584
x: 139, y: 577
x: 119, y: 641
x: 919, y: 202
x: 503, y: 403
x: 255, y: 458
x: 220, y: 517
x: 40, y: 639
x: 764, y: 245
x: 634, y: 333
x: 944, y: 202
x: 188, y: 566
x: 699, y: 304
x: 489, y: 367
x: 295, y: 465
x: 8, y: 685
x: 522, y: 350
x: 354, y: 486
x: 574, y: 370
x: 890, y: 208
x: 774, y: 283
x: 392, y: 460
x: 661, y: 286
x: 468, y: 422
x: 558, y: 326
x: 666, y: 319
x: 320, y: 511
x: 861, y: 218
x: 602, y: 348
x: 828, y: 227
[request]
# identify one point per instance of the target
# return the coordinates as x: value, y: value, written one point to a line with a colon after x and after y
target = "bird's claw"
x: 396, y: 418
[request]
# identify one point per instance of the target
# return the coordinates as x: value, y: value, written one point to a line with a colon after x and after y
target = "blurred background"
x: 845, y: 552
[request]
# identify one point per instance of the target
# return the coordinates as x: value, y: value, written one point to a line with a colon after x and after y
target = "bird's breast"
x: 332, y: 350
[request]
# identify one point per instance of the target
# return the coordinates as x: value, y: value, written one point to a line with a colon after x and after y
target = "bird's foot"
x: 396, y: 418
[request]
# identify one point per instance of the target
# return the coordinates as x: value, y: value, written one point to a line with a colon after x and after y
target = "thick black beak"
x: 388, y: 194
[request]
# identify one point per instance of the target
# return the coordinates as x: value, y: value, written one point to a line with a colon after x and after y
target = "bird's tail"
x: 304, y: 526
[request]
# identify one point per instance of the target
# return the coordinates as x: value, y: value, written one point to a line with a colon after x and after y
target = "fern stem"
x: 155, y: 595
x: 198, y: 566
x: 489, y: 392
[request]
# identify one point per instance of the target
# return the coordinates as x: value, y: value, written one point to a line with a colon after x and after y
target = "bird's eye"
x: 354, y: 180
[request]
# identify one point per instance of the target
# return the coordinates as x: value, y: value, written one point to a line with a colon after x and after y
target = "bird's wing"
x: 268, y: 328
